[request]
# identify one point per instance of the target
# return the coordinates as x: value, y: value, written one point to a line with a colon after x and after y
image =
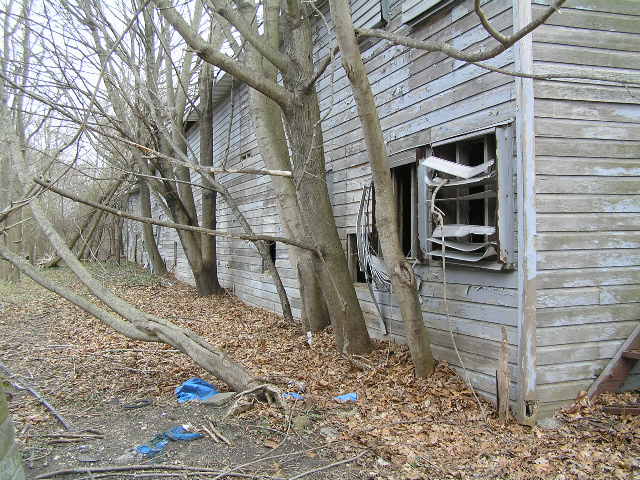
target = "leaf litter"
x: 416, y: 428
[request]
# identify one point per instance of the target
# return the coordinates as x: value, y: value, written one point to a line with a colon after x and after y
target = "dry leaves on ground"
x: 418, y: 428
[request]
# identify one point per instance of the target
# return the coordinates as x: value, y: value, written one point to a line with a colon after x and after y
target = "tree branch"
x: 226, y: 11
x: 631, y: 78
x: 487, y: 26
x: 177, y: 226
x: 209, y: 54
x: 251, y: 171
x: 447, y: 49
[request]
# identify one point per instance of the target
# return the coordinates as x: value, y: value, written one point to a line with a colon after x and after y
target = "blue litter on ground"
x: 159, y: 442
x: 347, y: 397
x: 292, y: 396
x: 195, y: 389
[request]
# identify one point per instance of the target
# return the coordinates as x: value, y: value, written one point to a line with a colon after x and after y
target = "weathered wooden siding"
x: 240, y: 265
x: 424, y: 98
x: 588, y: 193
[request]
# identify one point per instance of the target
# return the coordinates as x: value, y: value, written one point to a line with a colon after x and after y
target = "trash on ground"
x: 160, y: 441
x: 292, y: 396
x: 195, y: 389
x: 347, y: 397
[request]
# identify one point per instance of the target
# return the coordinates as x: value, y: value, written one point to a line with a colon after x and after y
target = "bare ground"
x: 403, y: 427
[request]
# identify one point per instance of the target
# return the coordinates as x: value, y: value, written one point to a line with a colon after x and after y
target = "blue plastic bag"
x: 195, y: 388
x: 292, y: 396
x: 159, y: 442
x: 347, y: 397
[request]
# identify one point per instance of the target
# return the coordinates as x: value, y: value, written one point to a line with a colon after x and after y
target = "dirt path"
x: 409, y: 428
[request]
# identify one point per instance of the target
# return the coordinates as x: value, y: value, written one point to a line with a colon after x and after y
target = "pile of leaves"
x: 417, y: 428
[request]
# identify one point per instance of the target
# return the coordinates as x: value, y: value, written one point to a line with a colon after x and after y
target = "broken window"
x: 469, y: 190
x: 272, y: 253
x: 355, y: 265
x: 405, y: 187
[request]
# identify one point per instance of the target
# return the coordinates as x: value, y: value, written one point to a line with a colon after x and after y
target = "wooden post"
x: 526, y: 402
x: 503, y: 379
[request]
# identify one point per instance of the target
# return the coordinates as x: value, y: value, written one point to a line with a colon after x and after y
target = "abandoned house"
x: 537, y: 182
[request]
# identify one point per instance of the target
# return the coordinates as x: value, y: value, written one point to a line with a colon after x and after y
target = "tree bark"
x: 158, y: 265
x: 304, y: 133
x: 402, y: 276
x: 273, y: 147
x: 209, y: 197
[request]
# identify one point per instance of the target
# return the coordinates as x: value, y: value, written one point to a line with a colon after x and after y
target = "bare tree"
x: 292, y: 139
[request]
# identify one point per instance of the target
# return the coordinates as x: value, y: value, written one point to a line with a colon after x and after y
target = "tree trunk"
x: 402, y: 276
x: 209, y: 198
x: 10, y: 458
x: 157, y: 262
x: 273, y: 146
x: 133, y: 322
x: 306, y: 143
x: 96, y: 219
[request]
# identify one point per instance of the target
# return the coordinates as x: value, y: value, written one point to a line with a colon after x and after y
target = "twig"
x: 270, y: 457
x: 217, y: 432
x: 327, y: 467
x: 132, y: 468
x: 41, y: 399
x: 181, y: 475
x: 211, y: 434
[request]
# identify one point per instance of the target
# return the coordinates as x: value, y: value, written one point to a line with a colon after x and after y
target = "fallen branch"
x: 269, y: 457
x: 39, y: 397
x: 218, y: 434
x: 134, y: 468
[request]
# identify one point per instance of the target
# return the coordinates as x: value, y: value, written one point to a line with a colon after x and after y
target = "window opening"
x: 355, y: 265
x: 272, y: 254
x: 462, y: 181
x: 405, y: 185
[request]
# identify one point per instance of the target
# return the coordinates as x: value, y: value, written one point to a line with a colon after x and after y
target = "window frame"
x: 505, y: 197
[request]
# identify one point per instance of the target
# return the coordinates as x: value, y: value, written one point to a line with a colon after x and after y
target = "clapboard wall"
x: 587, y: 145
x: 424, y: 98
x: 588, y: 193
x: 421, y: 98
x: 240, y: 267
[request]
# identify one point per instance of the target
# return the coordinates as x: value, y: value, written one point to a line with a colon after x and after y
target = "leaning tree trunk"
x: 275, y: 155
x: 304, y: 132
x: 88, y: 226
x: 96, y: 219
x: 129, y: 320
x: 402, y: 276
